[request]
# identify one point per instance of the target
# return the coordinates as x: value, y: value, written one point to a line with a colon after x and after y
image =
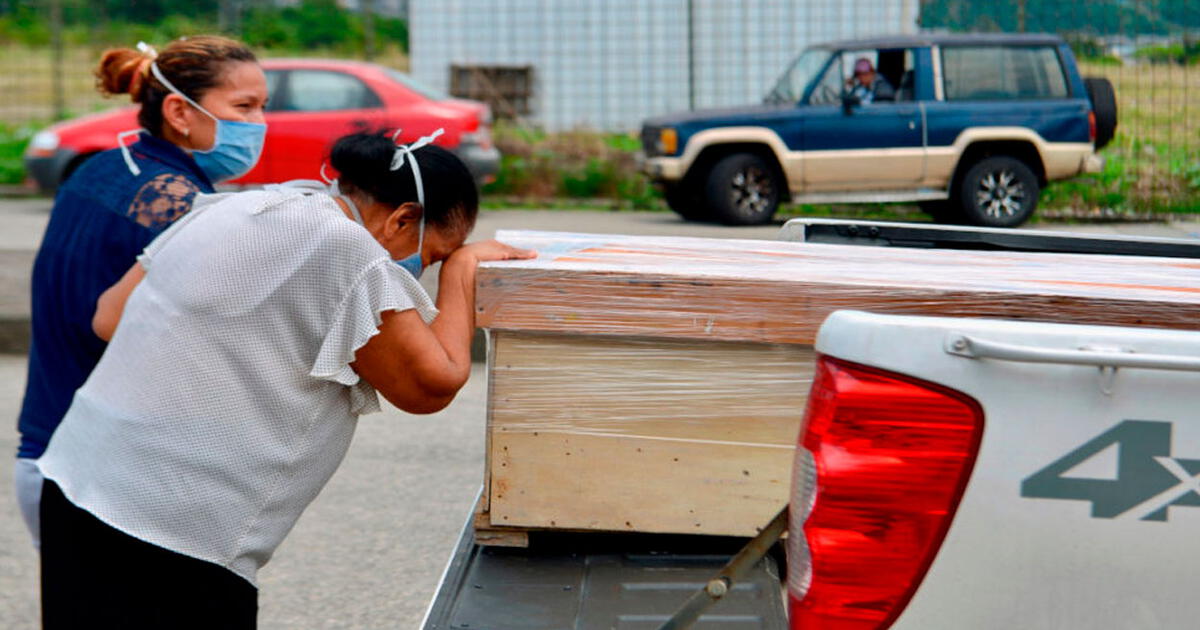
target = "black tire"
x: 1104, y: 104
x: 998, y: 191
x: 743, y: 189
x: 684, y: 200
x: 944, y: 211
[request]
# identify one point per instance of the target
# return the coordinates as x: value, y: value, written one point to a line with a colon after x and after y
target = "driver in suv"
x: 867, y: 85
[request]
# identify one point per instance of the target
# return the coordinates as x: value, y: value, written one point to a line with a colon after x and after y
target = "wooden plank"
x: 619, y: 483
x: 489, y: 536
x: 776, y: 292
x: 648, y: 435
x: 770, y: 312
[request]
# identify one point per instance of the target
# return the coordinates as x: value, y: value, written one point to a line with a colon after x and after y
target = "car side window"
x: 323, y: 90
x: 274, y: 80
x: 873, y: 77
x: 828, y: 91
x: 896, y: 67
x: 974, y: 73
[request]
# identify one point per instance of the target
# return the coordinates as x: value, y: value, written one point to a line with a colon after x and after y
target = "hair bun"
x: 364, y: 156
x: 122, y: 71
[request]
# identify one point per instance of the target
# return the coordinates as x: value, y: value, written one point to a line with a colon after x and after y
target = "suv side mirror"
x: 849, y: 102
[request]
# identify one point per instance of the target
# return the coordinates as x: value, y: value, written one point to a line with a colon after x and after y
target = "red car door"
x: 314, y: 108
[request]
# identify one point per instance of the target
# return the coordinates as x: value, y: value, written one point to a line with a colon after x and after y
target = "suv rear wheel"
x: 1104, y: 108
x: 743, y: 189
x: 998, y: 191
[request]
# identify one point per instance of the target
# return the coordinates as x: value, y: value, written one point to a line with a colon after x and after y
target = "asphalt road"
x: 369, y: 551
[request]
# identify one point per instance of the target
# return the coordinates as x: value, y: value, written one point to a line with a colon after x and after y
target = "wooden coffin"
x: 657, y: 384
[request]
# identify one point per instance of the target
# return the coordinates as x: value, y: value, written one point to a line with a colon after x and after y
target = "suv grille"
x: 650, y: 141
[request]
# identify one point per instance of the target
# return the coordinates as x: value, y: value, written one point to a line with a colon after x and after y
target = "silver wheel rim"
x: 1000, y: 194
x: 752, y: 190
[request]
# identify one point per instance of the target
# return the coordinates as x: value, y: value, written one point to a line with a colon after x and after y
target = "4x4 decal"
x: 1149, y: 481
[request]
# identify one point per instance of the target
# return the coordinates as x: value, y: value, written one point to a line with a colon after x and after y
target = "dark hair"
x: 195, y: 65
x: 363, y: 162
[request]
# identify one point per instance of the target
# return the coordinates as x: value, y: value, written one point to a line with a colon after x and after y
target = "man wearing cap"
x: 868, y: 85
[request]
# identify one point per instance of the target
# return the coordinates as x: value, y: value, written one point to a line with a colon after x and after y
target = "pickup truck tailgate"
x: 1082, y: 509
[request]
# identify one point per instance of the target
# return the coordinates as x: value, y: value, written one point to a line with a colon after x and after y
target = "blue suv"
x: 971, y: 127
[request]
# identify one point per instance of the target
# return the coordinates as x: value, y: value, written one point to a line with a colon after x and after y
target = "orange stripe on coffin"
x: 688, y: 254
x: 1113, y: 285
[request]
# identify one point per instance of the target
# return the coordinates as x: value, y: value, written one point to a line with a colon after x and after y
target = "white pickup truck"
x: 951, y: 473
x: 962, y: 473
x: 967, y: 473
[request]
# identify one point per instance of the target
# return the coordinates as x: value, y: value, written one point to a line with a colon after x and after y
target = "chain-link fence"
x: 555, y: 71
x: 49, y: 48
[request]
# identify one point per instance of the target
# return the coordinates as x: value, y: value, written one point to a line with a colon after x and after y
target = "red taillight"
x: 891, y: 456
x: 1092, y: 126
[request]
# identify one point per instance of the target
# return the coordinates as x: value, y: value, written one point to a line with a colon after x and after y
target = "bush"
x: 1186, y: 52
x: 310, y: 25
x: 13, y: 141
x: 577, y: 164
x: 316, y: 24
x: 1091, y: 50
x: 24, y: 26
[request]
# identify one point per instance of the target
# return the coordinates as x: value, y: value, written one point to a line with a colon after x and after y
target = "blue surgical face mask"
x: 236, y: 147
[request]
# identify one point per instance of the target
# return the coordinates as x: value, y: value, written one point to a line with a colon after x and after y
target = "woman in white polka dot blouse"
x: 245, y: 343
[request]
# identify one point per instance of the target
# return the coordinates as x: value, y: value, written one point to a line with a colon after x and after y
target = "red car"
x: 313, y: 102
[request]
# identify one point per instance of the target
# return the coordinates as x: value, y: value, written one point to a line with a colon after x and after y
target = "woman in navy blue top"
x: 201, y: 115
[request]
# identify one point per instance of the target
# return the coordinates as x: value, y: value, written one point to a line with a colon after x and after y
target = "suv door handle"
x: 973, y: 348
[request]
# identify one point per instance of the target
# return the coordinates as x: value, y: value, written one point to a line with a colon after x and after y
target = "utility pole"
x: 691, y: 53
x: 368, y: 17
x: 56, y: 72
x: 1021, y: 16
x: 229, y: 16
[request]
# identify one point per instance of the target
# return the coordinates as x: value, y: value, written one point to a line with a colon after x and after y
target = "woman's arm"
x: 112, y: 302
x: 420, y: 368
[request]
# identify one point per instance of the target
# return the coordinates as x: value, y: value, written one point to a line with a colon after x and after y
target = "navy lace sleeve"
x: 162, y: 200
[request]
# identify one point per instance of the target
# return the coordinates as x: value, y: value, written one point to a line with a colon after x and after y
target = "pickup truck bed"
x: 599, y: 582
x: 1059, y: 525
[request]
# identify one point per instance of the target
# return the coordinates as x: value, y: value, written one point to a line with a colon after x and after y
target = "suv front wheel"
x: 743, y: 189
x: 998, y: 191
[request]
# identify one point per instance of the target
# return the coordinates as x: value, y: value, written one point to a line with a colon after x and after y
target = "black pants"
x: 95, y: 576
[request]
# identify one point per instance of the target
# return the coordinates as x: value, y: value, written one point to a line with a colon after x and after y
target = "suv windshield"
x: 790, y: 87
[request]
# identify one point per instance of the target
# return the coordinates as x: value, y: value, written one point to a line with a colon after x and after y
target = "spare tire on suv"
x: 1104, y: 105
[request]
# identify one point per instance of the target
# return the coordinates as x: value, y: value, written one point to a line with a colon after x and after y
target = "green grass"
x: 1139, y: 177
x: 13, y: 140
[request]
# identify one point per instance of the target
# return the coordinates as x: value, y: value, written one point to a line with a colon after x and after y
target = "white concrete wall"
x: 607, y: 64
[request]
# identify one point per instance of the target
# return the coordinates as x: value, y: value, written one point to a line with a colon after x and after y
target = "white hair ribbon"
x: 404, y: 153
x: 147, y: 49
